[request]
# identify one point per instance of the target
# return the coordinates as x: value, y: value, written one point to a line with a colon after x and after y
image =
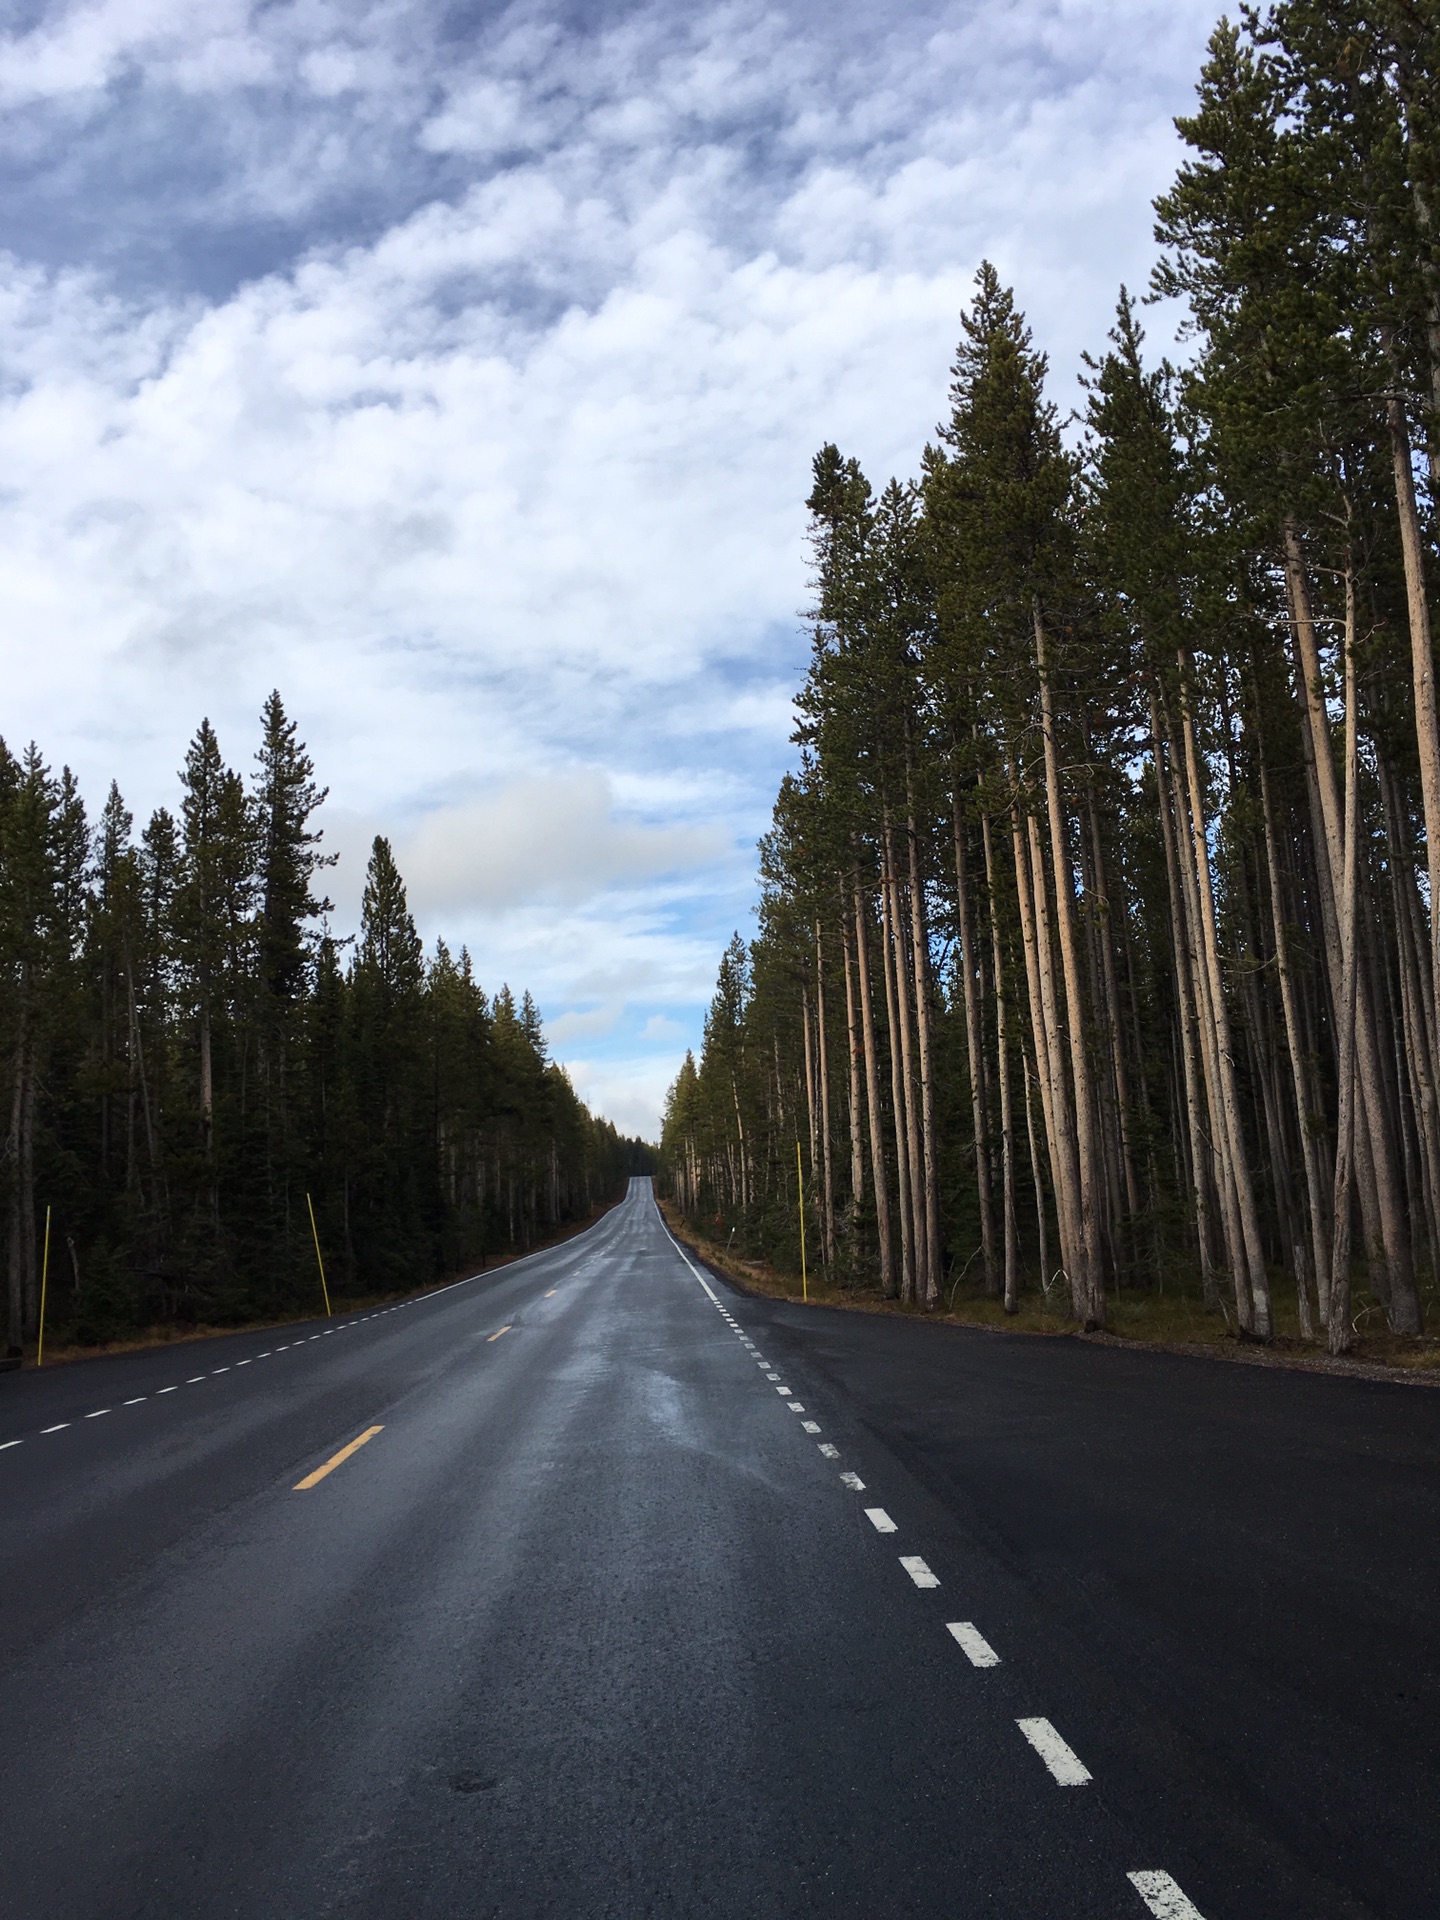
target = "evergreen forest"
x: 1099, y: 933
x: 194, y: 1062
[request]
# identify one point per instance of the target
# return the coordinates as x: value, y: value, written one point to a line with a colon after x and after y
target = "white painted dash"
x: 5, y: 1445
x: 810, y: 1426
x: 59, y: 1427
x: 1162, y: 1896
x: 242, y: 1363
x: 851, y: 1480
x: 194, y: 1379
x: 977, y: 1649
x: 784, y: 1392
x: 215, y: 1370
x: 880, y: 1520
x: 1066, y: 1766
x: 772, y: 1376
x: 160, y: 1390
x: 135, y: 1402
x: 830, y: 1453
x: 918, y: 1571
x: 795, y: 1406
x: 97, y: 1413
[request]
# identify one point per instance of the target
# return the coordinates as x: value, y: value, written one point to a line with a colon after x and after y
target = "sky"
x: 457, y: 370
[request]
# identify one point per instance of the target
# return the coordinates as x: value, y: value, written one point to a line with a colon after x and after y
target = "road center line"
x: 495, y: 1336
x: 1162, y: 1896
x: 977, y: 1649
x: 1064, y: 1764
x: 795, y: 1406
x: 5, y: 1445
x: 135, y: 1402
x: 160, y: 1390
x: 851, y: 1480
x: 918, y: 1571
x: 59, y: 1427
x: 830, y: 1453
x: 880, y: 1520
x: 97, y: 1413
x: 810, y: 1426
x: 336, y: 1460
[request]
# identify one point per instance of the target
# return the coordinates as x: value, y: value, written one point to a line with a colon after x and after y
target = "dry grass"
x: 1170, y: 1321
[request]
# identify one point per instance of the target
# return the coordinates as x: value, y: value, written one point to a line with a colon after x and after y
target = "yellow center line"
x: 336, y: 1460
x: 495, y: 1336
x: 552, y: 1293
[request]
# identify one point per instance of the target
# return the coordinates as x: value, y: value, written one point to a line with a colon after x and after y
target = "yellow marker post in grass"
x: 44, y: 1288
x: 800, y: 1191
x: 335, y: 1460
x: 320, y: 1258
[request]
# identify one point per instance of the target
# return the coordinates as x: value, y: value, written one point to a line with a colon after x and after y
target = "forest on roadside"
x: 1100, y: 923
x: 194, y: 1061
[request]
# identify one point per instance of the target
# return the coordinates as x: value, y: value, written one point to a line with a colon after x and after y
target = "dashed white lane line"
x: 830, y: 1453
x: 851, y: 1480
x: 794, y: 1406
x: 194, y: 1379
x: 880, y: 1520
x: 785, y: 1392
x: 810, y: 1426
x: 1064, y: 1764
x: 977, y: 1649
x: 1162, y: 1896
x: 772, y: 1376
x: 97, y: 1413
x: 5, y: 1445
x: 215, y: 1370
x: 244, y: 1363
x: 160, y: 1390
x: 59, y: 1427
x: 135, y: 1402
x: 918, y: 1571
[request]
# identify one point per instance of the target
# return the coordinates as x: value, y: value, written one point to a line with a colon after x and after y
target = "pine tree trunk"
x: 975, y: 1047
x: 1002, y: 1053
x: 827, y: 1236
x: 853, y: 1052
x: 928, y: 1280
x: 898, y: 1103
x: 1092, y: 1224
x: 1340, y: 1331
x: 879, y: 1177
x: 1203, y: 1173
x: 1305, y: 1097
x: 22, y: 1196
x: 1256, y: 1277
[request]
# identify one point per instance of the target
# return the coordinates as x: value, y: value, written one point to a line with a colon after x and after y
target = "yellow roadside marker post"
x: 800, y: 1190
x: 319, y: 1257
x: 44, y: 1287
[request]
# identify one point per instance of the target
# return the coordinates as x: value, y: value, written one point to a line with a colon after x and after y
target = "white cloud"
x: 505, y: 489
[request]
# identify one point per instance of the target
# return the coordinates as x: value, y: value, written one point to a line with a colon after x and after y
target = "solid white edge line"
x: 880, y: 1520
x: 1064, y: 1763
x: 976, y: 1648
x: 918, y: 1571
x: 1162, y: 1896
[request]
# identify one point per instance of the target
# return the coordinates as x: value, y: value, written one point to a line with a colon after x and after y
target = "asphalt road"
x: 643, y: 1598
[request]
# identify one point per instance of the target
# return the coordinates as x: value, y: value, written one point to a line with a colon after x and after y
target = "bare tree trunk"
x: 1092, y: 1224
x: 975, y: 1047
x: 1002, y: 1051
x: 22, y: 1193
x: 1305, y: 1109
x: 1201, y: 1151
x: 879, y: 1178
x: 1049, y: 1059
x: 1111, y: 986
x: 853, y: 1061
x: 827, y: 1236
x: 1040, y: 1221
x: 929, y: 1278
x: 1256, y: 1277
x: 920, y: 1253
x: 1340, y: 1333
x: 897, y: 1094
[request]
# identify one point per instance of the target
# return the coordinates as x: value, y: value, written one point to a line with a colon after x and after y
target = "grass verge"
x: 1171, y: 1323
